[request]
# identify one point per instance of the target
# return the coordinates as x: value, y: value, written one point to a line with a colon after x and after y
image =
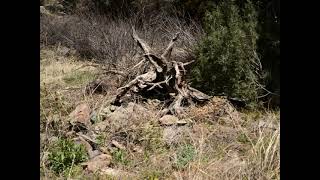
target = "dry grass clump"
x: 239, y: 151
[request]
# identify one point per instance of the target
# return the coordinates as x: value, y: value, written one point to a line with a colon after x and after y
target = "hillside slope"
x: 213, y: 141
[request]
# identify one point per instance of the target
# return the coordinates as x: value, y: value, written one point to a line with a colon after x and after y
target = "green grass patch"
x: 65, y: 154
x: 120, y: 156
x: 101, y: 139
x: 185, y: 154
x: 153, y: 175
x: 243, y: 138
x: 79, y: 77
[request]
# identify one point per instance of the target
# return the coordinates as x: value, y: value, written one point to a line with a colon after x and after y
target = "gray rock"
x: 94, y: 154
x: 127, y: 116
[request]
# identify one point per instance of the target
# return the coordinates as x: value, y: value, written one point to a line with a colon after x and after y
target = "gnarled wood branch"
x: 167, y: 53
x: 158, y: 84
x: 165, y: 74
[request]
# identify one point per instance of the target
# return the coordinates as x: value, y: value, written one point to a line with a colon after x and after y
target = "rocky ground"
x: 84, y: 137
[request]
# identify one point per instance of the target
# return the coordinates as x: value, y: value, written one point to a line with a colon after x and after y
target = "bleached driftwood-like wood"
x: 162, y: 74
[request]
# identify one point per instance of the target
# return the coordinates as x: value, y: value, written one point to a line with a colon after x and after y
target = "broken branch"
x: 166, y: 81
x: 167, y: 53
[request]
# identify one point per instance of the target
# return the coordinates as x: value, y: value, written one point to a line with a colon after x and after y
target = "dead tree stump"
x: 162, y: 75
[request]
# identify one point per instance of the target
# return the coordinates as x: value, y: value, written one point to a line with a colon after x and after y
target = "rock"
x: 81, y: 115
x: 118, y: 119
x: 98, y: 162
x: 94, y: 154
x: 168, y: 120
x: 118, y: 145
x: 124, y: 117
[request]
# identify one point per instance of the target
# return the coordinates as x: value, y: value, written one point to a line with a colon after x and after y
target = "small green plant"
x: 184, y: 155
x: 120, y: 156
x: 151, y: 139
x: 153, y: 175
x: 243, y: 138
x: 101, y: 139
x: 65, y: 154
x: 154, y: 172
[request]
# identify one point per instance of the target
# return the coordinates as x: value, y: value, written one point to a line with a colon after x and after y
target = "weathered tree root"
x: 162, y: 74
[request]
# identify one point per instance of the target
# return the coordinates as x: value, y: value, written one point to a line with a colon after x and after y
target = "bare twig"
x: 187, y: 63
x: 116, y: 72
x: 167, y: 53
x: 158, y: 84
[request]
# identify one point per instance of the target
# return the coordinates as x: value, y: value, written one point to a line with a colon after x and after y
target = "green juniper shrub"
x: 227, y: 63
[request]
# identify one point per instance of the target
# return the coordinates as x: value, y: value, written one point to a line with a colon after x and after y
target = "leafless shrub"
x: 109, y: 41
